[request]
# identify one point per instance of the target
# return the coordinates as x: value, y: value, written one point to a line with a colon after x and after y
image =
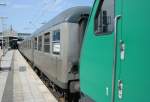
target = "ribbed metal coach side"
x: 56, y: 67
x: 61, y: 68
x: 26, y: 48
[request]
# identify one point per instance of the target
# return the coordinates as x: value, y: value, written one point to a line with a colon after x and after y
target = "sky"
x: 28, y: 15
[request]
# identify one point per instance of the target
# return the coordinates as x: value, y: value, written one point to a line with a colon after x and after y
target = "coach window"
x: 56, y: 42
x: 47, y: 42
x: 40, y: 43
x: 35, y: 43
x: 27, y: 44
x: 30, y: 44
x: 104, y: 17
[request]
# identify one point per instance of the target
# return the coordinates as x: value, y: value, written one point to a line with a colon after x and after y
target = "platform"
x: 6, y: 60
x: 19, y: 83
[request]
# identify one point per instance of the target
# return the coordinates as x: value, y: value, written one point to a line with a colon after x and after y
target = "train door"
x: 32, y: 48
x: 35, y: 47
x: 97, y: 55
x: 133, y: 73
x: 56, y: 50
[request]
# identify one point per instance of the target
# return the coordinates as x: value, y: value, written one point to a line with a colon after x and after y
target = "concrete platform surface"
x: 21, y: 84
x: 6, y: 60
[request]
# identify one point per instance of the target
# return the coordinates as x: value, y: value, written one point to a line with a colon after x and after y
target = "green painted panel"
x: 96, y: 63
x: 135, y: 69
x: 97, y: 55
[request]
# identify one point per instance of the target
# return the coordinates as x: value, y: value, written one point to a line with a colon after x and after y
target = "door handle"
x: 122, y: 50
x: 120, y: 89
x: 115, y: 56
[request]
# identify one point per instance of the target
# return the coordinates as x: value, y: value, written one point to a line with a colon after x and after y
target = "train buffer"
x: 19, y: 83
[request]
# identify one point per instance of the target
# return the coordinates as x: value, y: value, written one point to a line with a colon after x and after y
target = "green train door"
x: 133, y: 56
x: 98, y: 53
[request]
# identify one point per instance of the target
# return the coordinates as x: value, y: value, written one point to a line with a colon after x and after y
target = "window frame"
x: 58, y: 41
x: 36, y: 43
x: 30, y: 44
x: 98, y: 10
x: 47, y: 43
x: 40, y: 43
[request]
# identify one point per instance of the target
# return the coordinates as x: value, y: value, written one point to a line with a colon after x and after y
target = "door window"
x: 35, y: 43
x: 56, y: 42
x: 47, y: 42
x: 40, y: 43
x: 104, y: 18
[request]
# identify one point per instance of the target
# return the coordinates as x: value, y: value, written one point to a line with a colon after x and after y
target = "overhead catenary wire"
x: 42, y: 12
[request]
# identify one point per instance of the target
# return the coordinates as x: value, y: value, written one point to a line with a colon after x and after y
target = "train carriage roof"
x: 71, y: 15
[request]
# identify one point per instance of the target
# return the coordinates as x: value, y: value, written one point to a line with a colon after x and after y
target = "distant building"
x: 23, y: 35
x: 12, y: 38
x: 19, y: 35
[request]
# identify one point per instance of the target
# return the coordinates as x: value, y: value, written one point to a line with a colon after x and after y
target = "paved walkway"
x: 21, y: 84
x: 6, y: 60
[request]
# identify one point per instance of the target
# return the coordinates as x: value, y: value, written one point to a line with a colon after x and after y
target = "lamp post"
x: 2, y: 21
x: 1, y: 18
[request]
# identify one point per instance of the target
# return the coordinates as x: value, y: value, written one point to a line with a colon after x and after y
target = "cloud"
x: 21, y: 6
x: 58, y: 1
x: 52, y: 4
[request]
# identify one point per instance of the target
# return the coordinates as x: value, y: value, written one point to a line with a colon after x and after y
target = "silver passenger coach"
x: 55, y: 47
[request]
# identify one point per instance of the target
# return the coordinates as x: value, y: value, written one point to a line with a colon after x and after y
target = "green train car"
x: 115, y: 56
